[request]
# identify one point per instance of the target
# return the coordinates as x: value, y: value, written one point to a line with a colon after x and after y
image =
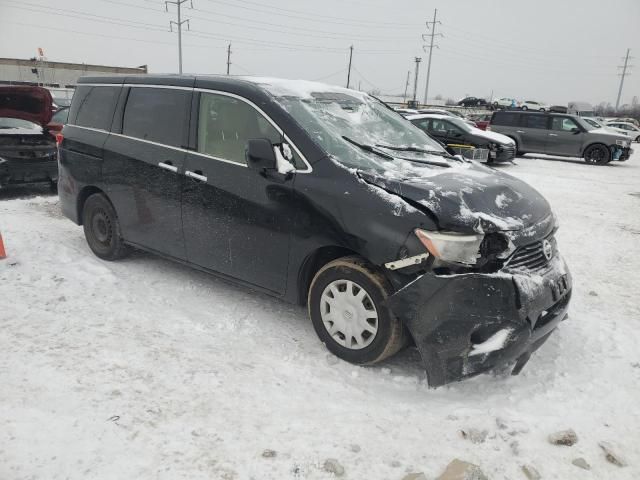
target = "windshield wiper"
x: 368, y: 148
x: 420, y: 150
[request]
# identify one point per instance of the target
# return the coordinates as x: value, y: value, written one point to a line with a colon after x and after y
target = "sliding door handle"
x: 197, y: 175
x: 553, y: 134
x: 168, y: 166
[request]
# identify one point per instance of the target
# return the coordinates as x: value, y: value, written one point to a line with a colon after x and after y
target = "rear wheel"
x: 542, y: 109
x: 597, y: 155
x: 638, y: 138
x: 102, y: 229
x: 346, y: 304
x: 524, y: 107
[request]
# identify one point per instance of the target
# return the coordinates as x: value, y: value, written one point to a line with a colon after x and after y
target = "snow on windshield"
x: 330, y: 113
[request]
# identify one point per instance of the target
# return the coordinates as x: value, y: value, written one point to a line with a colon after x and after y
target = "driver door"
x: 565, y: 137
x: 235, y: 221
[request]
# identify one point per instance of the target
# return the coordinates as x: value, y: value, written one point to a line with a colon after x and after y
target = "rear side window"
x: 157, y: 114
x: 509, y: 119
x: 535, y: 121
x: 93, y: 107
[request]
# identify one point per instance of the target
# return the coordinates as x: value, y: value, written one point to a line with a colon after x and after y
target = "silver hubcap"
x: 348, y: 314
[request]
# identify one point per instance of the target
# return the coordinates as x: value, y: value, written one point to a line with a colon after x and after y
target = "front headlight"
x: 451, y: 247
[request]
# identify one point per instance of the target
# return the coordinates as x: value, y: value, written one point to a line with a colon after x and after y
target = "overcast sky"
x: 548, y: 50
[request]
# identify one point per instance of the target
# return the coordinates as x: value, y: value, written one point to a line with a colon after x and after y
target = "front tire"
x: 347, y: 306
x: 102, y: 228
x: 525, y: 108
x: 597, y: 155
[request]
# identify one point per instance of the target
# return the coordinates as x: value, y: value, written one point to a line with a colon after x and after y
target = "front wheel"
x: 102, y: 229
x: 638, y: 138
x: 525, y: 108
x: 597, y: 155
x: 542, y: 110
x: 347, y: 307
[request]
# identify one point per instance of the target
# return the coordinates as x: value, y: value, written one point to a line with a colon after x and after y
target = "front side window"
x: 157, y: 115
x: 93, y: 107
x: 225, y: 124
x: 563, y: 124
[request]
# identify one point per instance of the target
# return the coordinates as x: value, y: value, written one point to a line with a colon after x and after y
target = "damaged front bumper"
x: 467, y: 324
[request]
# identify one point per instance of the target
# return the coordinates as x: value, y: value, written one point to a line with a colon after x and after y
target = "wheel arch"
x: 85, y: 193
x: 599, y: 143
x: 314, y: 262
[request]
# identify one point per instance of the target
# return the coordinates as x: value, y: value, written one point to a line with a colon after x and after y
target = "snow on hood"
x: 33, y: 104
x: 467, y: 197
x: 495, y: 136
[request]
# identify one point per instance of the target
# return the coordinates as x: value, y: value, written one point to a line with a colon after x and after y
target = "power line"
x: 178, y: 23
x: 622, y: 75
x: 228, y: 57
x: 349, y: 71
x: 432, y: 26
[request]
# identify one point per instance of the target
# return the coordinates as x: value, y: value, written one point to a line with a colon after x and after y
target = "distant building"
x: 15, y: 71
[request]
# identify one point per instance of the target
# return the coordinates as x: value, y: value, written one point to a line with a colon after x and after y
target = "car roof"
x: 429, y: 115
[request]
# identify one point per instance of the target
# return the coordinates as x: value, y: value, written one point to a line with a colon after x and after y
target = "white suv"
x: 531, y: 105
x: 505, y: 102
x: 630, y: 128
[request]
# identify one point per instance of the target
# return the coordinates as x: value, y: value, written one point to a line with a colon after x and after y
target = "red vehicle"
x: 481, y: 119
x: 28, y: 152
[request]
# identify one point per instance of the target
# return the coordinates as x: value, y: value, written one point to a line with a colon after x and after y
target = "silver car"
x: 561, y: 134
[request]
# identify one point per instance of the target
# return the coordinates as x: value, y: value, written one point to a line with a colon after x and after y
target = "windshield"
x: 458, y: 122
x: 338, y: 121
x: 592, y: 122
x: 6, y: 123
x: 586, y: 124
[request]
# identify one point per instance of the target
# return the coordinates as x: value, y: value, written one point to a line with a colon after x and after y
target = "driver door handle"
x: 553, y: 134
x: 519, y: 131
x: 168, y: 166
x: 197, y: 175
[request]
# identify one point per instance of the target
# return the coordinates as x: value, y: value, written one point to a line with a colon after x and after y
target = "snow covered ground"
x: 145, y: 369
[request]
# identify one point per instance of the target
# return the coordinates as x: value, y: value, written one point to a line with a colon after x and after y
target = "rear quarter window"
x: 93, y: 107
x: 508, y: 119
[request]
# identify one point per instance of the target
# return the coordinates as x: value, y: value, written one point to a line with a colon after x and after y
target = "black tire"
x: 597, y: 154
x: 524, y: 108
x: 638, y: 138
x: 543, y: 110
x: 390, y: 336
x: 102, y: 228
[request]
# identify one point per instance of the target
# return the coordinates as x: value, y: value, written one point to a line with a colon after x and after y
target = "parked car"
x: 480, y: 119
x: 505, y: 103
x: 561, y: 134
x: 406, y: 111
x: 27, y: 150
x: 558, y: 109
x: 453, y: 131
x: 532, y: 105
x: 630, y: 128
x: 320, y: 195
x: 596, y: 123
x: 473, y: 102
x: 442, y: 111
x: 58, y: 120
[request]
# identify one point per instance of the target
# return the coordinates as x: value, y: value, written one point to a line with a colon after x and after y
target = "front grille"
x: 532, y: 257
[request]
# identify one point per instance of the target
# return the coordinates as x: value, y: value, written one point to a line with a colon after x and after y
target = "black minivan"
x: 321, y: 196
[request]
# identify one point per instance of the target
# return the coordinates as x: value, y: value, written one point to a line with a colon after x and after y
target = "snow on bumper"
x: 467, y: 324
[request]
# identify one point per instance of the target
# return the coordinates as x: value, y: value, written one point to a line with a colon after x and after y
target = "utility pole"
x: 622, y: 75
x: 406, y: 87
x: 228, y: 57
x: 432, y: 26
x: 415, y: 82
x: 349, y: 72
x: 179, y: 23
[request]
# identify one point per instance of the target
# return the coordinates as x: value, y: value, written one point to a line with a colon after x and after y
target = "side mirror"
x: 260, y: 154
x: 575, y: 130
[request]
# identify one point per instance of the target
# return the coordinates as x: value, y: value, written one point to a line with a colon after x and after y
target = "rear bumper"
x: 467, y: 324
x: 23, y: 171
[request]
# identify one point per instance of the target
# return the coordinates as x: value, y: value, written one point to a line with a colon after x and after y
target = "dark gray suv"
x: 561, y: 134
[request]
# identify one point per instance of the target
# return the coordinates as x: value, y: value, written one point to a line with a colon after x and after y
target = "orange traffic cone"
x: 3, y: 254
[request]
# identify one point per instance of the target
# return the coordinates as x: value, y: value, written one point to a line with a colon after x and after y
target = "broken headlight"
x: 451, y: 247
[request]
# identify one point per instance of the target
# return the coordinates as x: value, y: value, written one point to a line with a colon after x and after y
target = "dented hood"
x: 469, y: 197
x: 33, y: 104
